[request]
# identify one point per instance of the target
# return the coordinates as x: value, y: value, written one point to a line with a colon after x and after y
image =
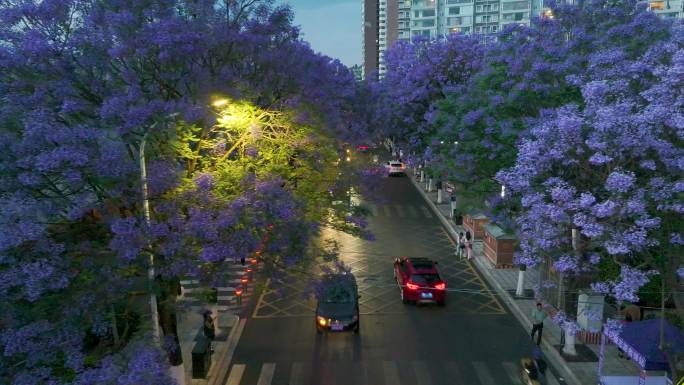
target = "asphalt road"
x: 472, y: 340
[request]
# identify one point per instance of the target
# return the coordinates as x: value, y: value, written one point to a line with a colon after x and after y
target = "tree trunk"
x: 167, y: 319
x: 115, y: 329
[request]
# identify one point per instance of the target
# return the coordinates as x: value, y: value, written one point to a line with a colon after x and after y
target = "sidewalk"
x: 504, y: 281
x: 191, y: 306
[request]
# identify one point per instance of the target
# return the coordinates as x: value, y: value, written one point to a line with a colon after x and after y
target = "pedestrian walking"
x: 538, y: 316
x: 469, y: 245
x: 460, y: 245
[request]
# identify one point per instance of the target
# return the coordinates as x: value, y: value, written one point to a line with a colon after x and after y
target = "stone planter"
x: 498, y: 246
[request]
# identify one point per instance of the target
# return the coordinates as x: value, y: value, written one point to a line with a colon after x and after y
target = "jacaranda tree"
x: 84, y: 84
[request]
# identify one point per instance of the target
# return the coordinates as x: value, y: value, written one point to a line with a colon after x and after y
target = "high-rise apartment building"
x: 667, y: 8
x: 371, y: 36
x: 432, y: 18
x: 386, y: 21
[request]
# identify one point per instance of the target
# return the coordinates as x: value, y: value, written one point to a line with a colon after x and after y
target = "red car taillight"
x: 411, y: 286
x: 440, y: 286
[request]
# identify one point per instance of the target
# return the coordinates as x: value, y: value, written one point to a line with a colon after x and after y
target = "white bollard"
x: 422, y: 176
x: 519, y: 290
x: 429, y: 186
x: 439, y: 196
x: 569, y: 348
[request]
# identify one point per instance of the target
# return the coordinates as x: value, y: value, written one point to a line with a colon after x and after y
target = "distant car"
x: 338, y: 304
x: 394, y: 167
x: 419, y: 281
x: 363, y: 148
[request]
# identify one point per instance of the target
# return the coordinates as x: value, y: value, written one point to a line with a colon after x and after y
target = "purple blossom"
x: 204, y: 181
x: 604, y: 209
x: 599, y: 158
x: 620, y: 182
x: 566, y: 263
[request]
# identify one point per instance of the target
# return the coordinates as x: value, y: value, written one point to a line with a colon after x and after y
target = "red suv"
x: 419, y: 281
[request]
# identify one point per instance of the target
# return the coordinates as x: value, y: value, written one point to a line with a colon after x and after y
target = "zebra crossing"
x: 193, y: 293
x: 399, y: 210
x: 380, y: 372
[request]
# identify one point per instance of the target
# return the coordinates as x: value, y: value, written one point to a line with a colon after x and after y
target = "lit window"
x: 656, y: 5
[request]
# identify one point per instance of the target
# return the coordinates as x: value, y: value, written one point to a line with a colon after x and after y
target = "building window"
x: 424, y: 23
x: 452, y: 21
x: 454, y: 11
x: 515, y: 5
x: 656, y: 5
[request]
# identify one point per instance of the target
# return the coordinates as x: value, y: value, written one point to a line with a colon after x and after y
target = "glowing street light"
x: 220, y: 102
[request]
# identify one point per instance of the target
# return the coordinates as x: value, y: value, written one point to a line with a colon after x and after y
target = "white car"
x: 394, y: 167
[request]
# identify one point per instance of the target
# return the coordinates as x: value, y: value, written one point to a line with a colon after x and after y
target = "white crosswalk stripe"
x: 266, y: 375
x: 297, y: 374
x: 235, y: 374
x: 456, y: 372
x: 483, y: 373
x: 391, y: 372
x: 387, y: 210
x: 550, y: 379
x: 422, y: 372
x: 513, y: 372
x: 400, y: 210
x: 194, y: 293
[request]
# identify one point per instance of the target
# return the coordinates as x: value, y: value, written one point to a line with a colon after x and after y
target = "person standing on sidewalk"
x: 460, y: 245
x: 538, y: 316
x: 209, y: 328
x: 469, y: 245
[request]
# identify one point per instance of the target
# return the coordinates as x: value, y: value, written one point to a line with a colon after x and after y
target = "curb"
x: 219, y: 374
x: 551, y: 352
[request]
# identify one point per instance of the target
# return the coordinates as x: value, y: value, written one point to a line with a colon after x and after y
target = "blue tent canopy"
x: 644, y: 337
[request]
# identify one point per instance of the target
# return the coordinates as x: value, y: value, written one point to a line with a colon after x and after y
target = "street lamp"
x: 220, y: 102
x: 156, y: 332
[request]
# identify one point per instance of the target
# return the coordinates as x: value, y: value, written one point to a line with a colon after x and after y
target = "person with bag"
x: 469, y: 245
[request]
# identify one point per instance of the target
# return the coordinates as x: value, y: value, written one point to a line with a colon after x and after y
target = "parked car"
x: 419, y: 281
x: 394, y: 167
x: 338, y: 304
